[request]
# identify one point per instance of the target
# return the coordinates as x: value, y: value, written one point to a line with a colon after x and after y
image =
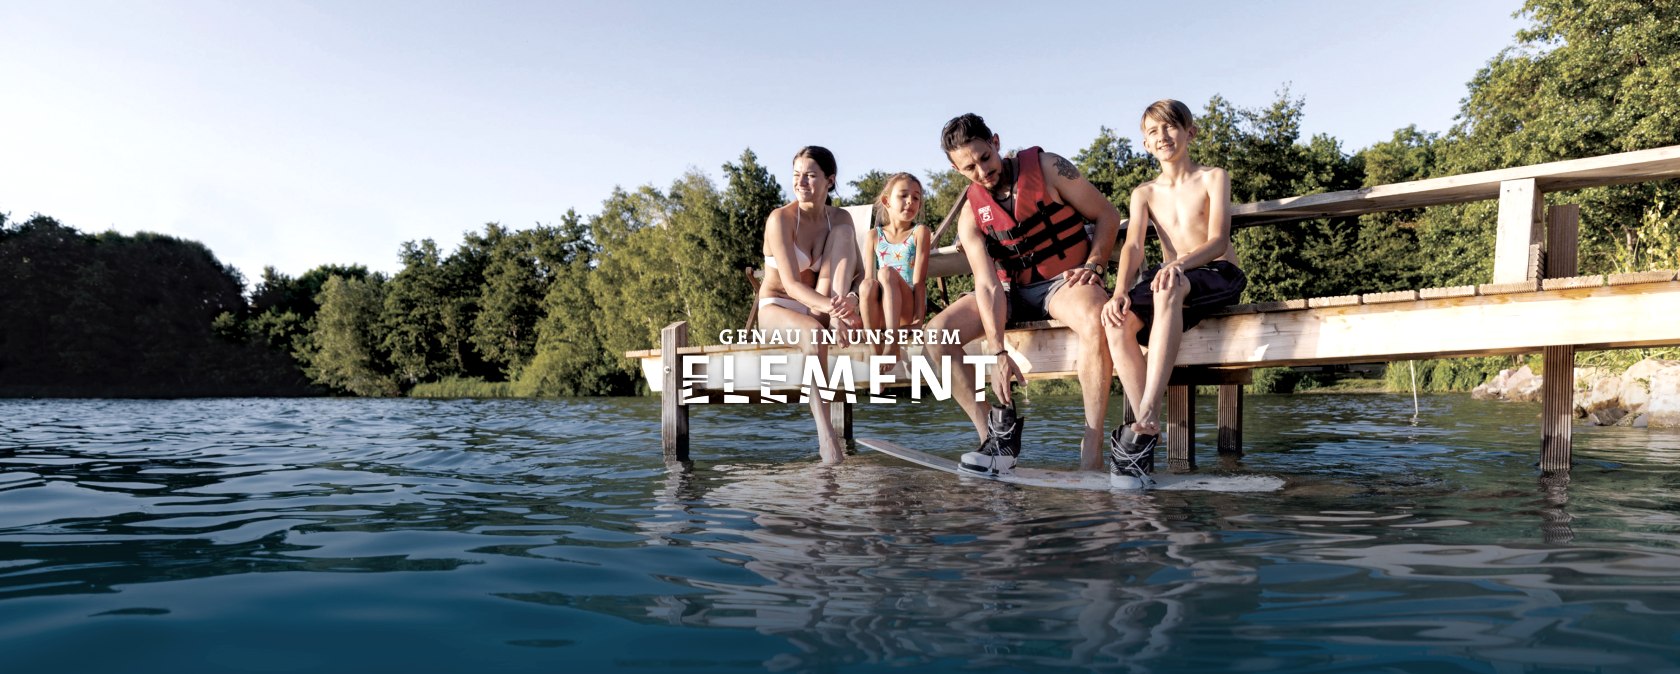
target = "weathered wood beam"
x: 1616, y: 169
x: 1230, y: 417
x: 673, y: 415
x: 1181, y: 428
x: 1557, y: 395
x: 1521, y: 229
x: 1604, y: 317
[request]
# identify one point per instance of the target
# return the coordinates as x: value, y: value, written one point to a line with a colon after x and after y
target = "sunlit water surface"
x: 422, y: 536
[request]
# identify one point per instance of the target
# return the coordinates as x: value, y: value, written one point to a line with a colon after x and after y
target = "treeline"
x: 550, y: 310
x: 110, y: 315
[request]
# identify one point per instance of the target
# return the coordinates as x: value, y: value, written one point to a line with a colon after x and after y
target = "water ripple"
x: 515, y: 530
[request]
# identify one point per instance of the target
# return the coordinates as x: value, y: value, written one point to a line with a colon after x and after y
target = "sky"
x: 296, y: 134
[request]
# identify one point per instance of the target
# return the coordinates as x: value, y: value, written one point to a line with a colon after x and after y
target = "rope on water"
x: 1415, y: 412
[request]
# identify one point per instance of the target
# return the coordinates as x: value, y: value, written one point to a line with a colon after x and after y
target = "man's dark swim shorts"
x: 1031, y: 301
x: 1213, y: 286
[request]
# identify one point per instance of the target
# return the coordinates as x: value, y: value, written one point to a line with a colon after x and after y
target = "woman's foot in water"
x: 829, y: 447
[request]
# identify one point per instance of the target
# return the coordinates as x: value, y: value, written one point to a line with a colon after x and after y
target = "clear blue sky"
x: 296, y: 134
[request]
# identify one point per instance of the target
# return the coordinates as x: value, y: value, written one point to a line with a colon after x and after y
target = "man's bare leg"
x: 962, y: 316
x: 1080, y: 308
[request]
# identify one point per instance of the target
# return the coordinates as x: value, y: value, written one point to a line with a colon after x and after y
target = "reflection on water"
x: 1097, y: 581
x: 541, y: 536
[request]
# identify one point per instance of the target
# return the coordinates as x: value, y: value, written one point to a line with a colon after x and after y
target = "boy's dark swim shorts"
x: 1215, y: 285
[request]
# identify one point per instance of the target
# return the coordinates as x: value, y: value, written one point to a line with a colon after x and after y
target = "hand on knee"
x: 1172, y: 299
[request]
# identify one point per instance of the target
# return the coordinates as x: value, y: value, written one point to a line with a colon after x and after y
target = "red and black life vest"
x: 1040, y: 239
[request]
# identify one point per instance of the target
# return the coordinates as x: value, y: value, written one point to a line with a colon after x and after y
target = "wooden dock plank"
x: 1337, y: 301
x: 1384, y: 298
x: 1660, y: 276
x: 1528, y: 286
x: 1593, y: 281
x: 1450, y: 291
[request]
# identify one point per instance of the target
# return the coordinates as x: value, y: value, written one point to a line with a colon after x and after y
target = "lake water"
x: 455, y: 536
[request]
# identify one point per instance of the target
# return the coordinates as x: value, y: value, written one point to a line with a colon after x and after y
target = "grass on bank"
x: 470, y: 387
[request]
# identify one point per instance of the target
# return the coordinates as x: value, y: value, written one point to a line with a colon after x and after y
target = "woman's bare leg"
x: 772, y: 317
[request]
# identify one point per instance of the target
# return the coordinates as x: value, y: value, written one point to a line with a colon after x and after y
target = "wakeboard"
x: 1078, y: 479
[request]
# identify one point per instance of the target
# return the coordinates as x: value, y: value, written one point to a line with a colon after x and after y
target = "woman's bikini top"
x: 805, y: 261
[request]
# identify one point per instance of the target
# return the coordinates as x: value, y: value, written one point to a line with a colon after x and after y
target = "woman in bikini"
x: 895, y: 294
x: 810, y: 257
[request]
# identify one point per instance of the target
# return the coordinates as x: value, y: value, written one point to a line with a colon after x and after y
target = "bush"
x: 1447, y: 375
x: 466, y: 387
x: 1274, y: 380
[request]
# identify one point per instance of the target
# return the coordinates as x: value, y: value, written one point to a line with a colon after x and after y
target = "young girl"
x: 809, y: 261
x: 895, y: 290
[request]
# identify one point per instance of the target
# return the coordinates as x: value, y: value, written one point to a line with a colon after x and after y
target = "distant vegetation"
x: 549, y: 311
x: 123, y: 316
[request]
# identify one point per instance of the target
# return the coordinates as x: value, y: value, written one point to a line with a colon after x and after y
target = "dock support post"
x: 1181, y: 423
x: 1557, y: 404
x: 1557, y: 401
x: 1230, y: 418
x: 840, y: 414
x: 673, y: 415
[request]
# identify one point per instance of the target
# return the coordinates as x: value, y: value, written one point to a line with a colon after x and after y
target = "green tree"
x: 520, y: 269
x: 345, y: 353
x: 1584, y: 78
x: 416, y: 318
x: 714, y: 294
x: 636, y: 274
x: 283, y: 308
x: 570, y: 359
x: 125, y: 315
x: 1111, y: 165
x: 866, y: 188
x: 1261, y: 149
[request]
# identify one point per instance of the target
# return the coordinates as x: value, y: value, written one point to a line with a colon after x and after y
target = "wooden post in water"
x: 1230, y: 418
x: 1181, y: 427
x: 1557, y: 401
x: 673, y: 415
x: 840, y: 415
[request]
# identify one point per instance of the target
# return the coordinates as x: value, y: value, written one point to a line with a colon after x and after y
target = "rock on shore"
x: 1647, y: 394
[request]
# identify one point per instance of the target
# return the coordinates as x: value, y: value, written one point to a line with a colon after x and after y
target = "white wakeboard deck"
x: 1079, y: 479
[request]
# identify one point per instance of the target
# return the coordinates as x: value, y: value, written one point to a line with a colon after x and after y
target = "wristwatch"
x: 1093, y: 267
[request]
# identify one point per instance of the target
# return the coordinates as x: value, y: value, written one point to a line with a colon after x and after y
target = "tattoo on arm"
x: 1065, y: 168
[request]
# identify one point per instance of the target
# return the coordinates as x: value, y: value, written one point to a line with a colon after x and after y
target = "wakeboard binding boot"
x: 1131, y: 459
x: 1003, y: 443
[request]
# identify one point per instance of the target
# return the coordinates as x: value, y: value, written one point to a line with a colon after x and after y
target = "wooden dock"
x: 1534, y: 302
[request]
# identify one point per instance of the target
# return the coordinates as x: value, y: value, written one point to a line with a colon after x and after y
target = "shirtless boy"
x: 1190, y: 207
x: 1035, y: 224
